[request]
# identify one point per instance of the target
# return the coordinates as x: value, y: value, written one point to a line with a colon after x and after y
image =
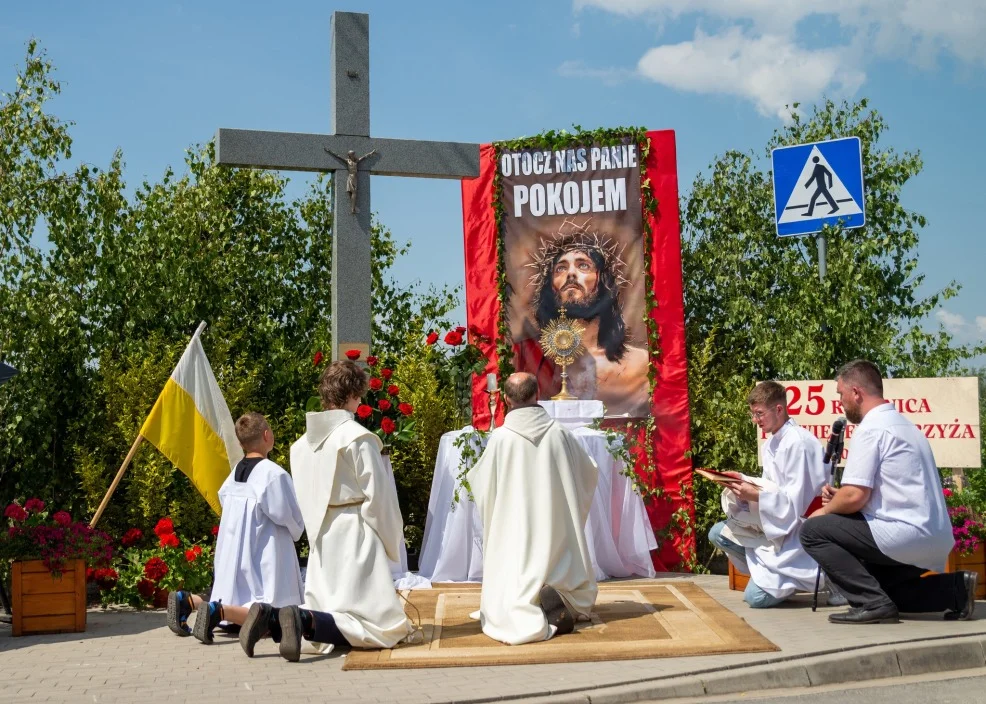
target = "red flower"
x: 946, y: 492
x: 460, y: 329
x: 190, y: 555
x: 146, y: 588
x: 90, y: 574
x: 393, y: 389
x: 387, y: 425
x: 164, y: 526
x: 34, y: 505
x: 364, y: 411
x: 376, y: 383
x: 477, y: 333
x: 453, y: 337
x: 384, y: 405
x: 131, y: 537
x: 215, y: 531
x: 318, y: 358
x: 155, y: 569
x: 353, y: 354
x: 432, y: 338
x: 386, y: 373
x: 406, y: 409
x: 16, y: 512
x: 169, y: 540
x: 372, y: 361
x: 62, y: 518
x: 106, y: 577
x: 197, y: 550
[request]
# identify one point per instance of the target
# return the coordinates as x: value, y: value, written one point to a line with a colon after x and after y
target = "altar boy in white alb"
x: 255, y: 556
x: 793, y: 475
x: 354, y: 527
x: 533, y: 486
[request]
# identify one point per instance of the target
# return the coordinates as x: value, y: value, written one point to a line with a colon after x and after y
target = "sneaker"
x: 179, y: 609
x: 555, y: 611
x: 290, y: 646
x: 207, y: 617
x: 256, y: 626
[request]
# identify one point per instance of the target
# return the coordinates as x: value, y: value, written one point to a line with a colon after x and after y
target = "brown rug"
x: 630, y: 621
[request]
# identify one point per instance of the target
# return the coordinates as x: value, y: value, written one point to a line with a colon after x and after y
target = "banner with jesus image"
x: 572, y: 236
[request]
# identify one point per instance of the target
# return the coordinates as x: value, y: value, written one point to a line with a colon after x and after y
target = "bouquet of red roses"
x: 382, y: 410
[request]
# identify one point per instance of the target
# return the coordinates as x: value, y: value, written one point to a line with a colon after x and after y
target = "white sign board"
x: 946, y: 410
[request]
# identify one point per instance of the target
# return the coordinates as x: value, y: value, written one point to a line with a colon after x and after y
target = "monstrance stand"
x: 561, y: 339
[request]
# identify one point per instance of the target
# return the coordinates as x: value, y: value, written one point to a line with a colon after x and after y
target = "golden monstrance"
x: 561, y: 339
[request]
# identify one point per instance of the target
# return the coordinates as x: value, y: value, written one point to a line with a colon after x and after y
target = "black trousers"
x: 324, y: 630
x: 844, y: 548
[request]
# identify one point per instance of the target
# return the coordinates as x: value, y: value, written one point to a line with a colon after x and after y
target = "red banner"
x: 669, y: 404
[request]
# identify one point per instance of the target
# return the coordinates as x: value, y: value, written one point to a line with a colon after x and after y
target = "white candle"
x: 491, y: 382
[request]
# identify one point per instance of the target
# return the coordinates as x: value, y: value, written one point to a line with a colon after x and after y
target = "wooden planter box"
x: 43, y: 603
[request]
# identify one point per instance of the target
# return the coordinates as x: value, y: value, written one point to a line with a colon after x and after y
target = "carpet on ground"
x: 631, y: 620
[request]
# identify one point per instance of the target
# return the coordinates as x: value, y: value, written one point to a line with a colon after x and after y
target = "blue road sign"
x: 818, y: 184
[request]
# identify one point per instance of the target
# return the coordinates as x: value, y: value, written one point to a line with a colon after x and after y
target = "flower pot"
x: 972, y: 562
x: 44, y: 603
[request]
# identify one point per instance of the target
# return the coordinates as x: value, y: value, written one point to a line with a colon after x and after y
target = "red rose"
x: 107, y: 577
x: 155, y: 569
x: 215, y: 531
x: 164, y: 526
x: 353, y: 354
x: 146, y: 588
x: 946, y: 492
x: 62, y: 518
x: 386, y: 373
x: 16, y: 512
x: 406, y: 409
x: 432, y: 338
x: 376, y: 383
x: 387, y: 426
x: 364, y: 411
x: 372, y: 361
x: 453, y: 337
x: 34, y: 505
x: 197, y: 550
x: 318, y: 358
x: 460, y: 329
x: 169, y: 540
x: 190, y: 555
x: 384, y: 405
x: 131, y: 537
x: 393, y: 389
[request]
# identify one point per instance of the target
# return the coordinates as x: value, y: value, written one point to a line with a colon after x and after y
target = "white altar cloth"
x: 618, y: 532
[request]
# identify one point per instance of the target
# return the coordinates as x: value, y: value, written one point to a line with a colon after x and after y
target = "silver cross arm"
x: 295, y: 151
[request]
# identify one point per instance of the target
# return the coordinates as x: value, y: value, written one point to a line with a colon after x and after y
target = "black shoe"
x: 179, y: 609
x: 207, y: 617
x: 290, y: 619
x: 882, y: 614
x: 555, y: 611
x: 256, y: 626
x: 970, y: 580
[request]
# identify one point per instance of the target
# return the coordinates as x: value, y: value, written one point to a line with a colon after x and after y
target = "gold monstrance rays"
x: 561, y: 339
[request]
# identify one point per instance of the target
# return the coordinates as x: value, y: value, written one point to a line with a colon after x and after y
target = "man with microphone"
x: 887, y: 524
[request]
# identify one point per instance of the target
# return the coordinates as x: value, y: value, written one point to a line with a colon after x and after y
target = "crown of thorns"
x: 579, y: 239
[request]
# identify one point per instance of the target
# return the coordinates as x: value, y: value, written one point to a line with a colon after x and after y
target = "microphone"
x: 835, y: 440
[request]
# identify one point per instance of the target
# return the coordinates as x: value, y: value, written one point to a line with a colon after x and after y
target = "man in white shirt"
x: 795, y: 474
x: 533, y: 486
x: 887, y: 524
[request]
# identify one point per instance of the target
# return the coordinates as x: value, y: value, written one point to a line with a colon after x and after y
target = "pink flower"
x: 15, y: 512
x: 947, y: 493
x: 62, y: 518
x: 34, y: 505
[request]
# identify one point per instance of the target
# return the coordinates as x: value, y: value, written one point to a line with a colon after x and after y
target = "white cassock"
x: 354, y: 527
x: 792, y: 459
x: 533, y: 486
x: 255, y: 555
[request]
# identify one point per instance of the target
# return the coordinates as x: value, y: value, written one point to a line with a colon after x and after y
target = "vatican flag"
x: 191, y: 425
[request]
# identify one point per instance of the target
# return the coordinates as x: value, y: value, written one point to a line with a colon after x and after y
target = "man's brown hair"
x: 767, y: 394
x: 340, y: 381
x: 250, y: 429
x: 862, y: 373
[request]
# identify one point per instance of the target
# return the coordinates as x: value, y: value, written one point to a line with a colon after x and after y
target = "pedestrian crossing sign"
x: 818, y: 184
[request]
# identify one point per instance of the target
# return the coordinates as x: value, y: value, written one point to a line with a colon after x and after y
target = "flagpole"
x: 116, y: 480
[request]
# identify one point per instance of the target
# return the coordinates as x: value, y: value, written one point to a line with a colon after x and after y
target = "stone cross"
x: 290, y: 151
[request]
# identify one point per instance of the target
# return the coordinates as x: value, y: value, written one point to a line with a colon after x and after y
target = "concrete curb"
x: 861, y: 664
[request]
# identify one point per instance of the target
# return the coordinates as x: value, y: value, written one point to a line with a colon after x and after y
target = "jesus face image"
x: 575, y: 278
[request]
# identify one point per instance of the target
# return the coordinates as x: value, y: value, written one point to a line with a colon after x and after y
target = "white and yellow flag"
x: 191, y: 424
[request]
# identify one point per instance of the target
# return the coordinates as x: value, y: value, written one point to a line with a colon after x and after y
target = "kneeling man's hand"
x: 745, y: 491
x: 827, y: 493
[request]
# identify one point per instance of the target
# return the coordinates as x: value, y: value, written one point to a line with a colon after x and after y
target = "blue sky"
x: 153, y: 78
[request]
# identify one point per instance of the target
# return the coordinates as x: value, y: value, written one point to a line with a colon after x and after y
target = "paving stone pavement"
x: 127, y: 656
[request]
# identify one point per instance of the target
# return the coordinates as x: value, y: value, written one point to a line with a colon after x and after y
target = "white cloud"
x: 768, y: 70
x: 981, y: 323
x: 953, y: 322
x: 755, y: 54
x: 609, y: 76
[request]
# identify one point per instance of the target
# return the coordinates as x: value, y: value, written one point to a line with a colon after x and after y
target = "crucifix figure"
x: 352, y: 166
x: 290, y: 151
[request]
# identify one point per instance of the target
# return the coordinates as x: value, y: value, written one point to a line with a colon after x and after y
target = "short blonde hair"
x: 250, y: 429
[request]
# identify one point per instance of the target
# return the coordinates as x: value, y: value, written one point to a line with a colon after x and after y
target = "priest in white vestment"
x: 793, y: 475
x: 533, y: 486
x: 354, y: 527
